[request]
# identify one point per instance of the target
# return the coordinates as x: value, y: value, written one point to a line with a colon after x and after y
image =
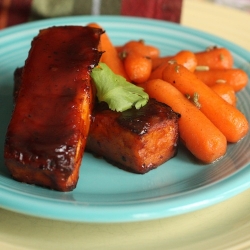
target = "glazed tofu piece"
x: 134, y: 140
x: 47, y: 134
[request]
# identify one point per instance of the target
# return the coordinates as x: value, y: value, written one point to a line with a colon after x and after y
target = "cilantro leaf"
x: 113, y: 89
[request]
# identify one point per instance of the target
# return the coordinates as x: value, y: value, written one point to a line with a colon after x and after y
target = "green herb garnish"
x: 194, y: 99
x: 113, y: 89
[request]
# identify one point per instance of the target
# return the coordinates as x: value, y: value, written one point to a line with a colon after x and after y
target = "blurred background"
x: 13, y: 12
x: 239, y: 4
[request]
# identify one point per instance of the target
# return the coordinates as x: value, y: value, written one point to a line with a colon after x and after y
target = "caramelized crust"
x: 47, y: 133
x: 134, y: 140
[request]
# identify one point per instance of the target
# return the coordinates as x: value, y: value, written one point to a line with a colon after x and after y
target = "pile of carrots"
x: 200, y: 86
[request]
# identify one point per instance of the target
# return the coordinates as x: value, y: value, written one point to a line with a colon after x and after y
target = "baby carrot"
x: 156, y: 62
x: 230, y: 121
x: 215, y: 58
x: 197, y: 132
x: 184, y: 57
x: 187, y: 59
x: 110, y: 55
x: 142, y: 48
x: 226, y: 92
x: 235, y: 77
x: 119, y: 49
x: 157, y: 73
x: 138, y: 67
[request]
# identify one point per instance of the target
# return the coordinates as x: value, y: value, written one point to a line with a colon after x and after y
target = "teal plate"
x: 105, y: 193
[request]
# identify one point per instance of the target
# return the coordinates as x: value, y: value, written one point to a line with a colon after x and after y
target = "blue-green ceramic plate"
x: 105, y: 193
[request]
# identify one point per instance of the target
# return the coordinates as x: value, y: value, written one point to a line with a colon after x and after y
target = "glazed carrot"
x: 119, y: 49
x: 142, y: 48
x: 158, y: 72
x: 184, y: 57
x: 198, y: 133
x: 110, y: 55
x: 226, y: 92
x: 156, y: 62
x: 187, y: 59
x: 215, y: 58
x: 230, y: 121
x: 138, y: 67
x: 235, y: 77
